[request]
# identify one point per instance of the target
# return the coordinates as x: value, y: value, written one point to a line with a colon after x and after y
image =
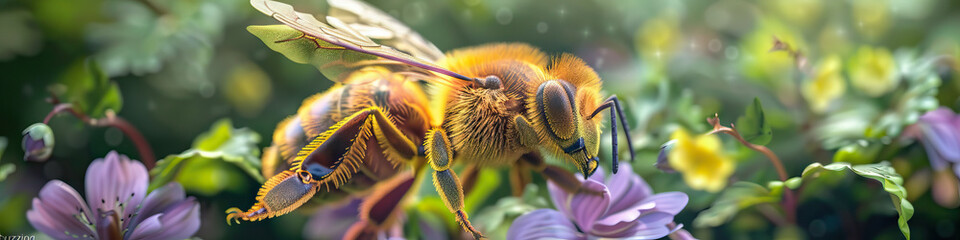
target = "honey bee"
x: 416, y: 110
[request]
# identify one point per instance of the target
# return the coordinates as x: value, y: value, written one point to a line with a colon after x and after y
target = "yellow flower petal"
x: 701, y: 161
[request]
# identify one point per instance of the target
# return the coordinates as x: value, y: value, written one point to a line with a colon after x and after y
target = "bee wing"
x: 339, y: 33
x: 376, y: 24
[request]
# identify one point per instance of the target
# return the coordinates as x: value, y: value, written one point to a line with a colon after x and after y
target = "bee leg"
x: 470, y: 175
x: 520, y: 177
x: 616, y: 110
x: 336, y: 154
x: 379, y: 210
x: 445, y: 180
x: 559, y: 176
x: 281, y: 194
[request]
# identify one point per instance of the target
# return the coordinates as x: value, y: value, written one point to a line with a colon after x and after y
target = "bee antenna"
x: 613, y: 103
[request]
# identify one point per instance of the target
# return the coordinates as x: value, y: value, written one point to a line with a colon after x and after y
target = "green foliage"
x: 883, y: 172
x: 736, y: 197
x: 21, y: 38
x: 177, y: 36
x: 862, y: 152
x: 90, y: 90
x: 5, y: 169
x: 203, y: 168
x: 869, y: 121
x: 753, y: 125
x: 333, y: 63
x: 487, y: 181
x: 494, y: 221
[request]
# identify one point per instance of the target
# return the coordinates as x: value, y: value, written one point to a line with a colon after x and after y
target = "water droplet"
x: 714, y: 45
x: 818, y: 228
x: 542, y: 27
x: 504, y: 16
x: 113, y: 136
x: 731, y: 52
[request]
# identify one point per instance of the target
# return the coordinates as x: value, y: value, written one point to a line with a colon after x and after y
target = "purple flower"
x: 940, y: 135
x: 627, y: 208
x: 939, y: 132
x: 335, y: 221
x: 116, y: 206
x: 332, y: 221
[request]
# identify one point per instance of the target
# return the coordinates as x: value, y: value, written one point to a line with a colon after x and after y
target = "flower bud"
x: 663, y: 163
x: 37, y: 142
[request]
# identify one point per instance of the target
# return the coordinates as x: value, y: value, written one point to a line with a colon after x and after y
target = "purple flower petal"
x: 599, y: 175
x: 158, y: 201
x: 56, y: 210
x: 669, y: 202
x: 543, y: 224
x: 941, y: 137
x: 615, y: 223
x: 116, y: 179
x: 942, y: 114
x: 586, y: 208
x: 331, y: 222
x: 146, y: 228
x: 678, y: 233
x: 179, y: 221
x: 558, y: 196
x: 626, y: 189
x: 648, y: 226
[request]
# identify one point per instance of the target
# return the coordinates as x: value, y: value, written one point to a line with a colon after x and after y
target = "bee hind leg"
x: 279, y: 195
x: 380, y: 209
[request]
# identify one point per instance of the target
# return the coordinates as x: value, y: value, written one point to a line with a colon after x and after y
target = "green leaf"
x: 89, y: 89
x: 197, y: 168
x: 495, y: 220
x: 5, y: 169
x: 883, y: 172
x: 794, y: 182
x: 738, y: 196
x: 333, y: 63
x: 487, y: 182
x: 753, y: 125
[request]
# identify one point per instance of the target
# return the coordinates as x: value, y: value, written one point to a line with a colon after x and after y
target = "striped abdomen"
x: 402, y: 100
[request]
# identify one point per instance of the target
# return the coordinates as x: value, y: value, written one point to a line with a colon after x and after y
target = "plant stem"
x: 759, y: 148
x: 111, y: 120
x: 789, y: 200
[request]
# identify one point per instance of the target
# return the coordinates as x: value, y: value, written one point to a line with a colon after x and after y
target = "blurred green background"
x: 183, y: 64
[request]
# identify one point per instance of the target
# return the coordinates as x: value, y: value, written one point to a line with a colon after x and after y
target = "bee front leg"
x: 439, y: 155
x: 559, y: 176
x: 281, y: 194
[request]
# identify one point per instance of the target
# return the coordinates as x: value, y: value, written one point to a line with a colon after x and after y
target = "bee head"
x: 566, y: 127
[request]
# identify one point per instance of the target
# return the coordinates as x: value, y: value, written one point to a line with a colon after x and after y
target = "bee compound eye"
x: 556, y: 106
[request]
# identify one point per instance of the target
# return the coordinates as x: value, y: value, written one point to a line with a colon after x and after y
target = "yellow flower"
x: 873, y: 71
x: 871, y: 18
x: 701, y: 160
x: 762, y: 65
x: 658, y: 38
x: 827, y: 84
x: 800, y: 12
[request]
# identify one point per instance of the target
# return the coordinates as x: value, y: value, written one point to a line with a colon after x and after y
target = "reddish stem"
x: 789, y: 201
x: 111, y: 120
